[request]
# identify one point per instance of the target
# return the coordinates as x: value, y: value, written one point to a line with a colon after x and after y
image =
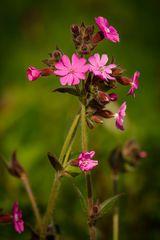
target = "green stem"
x: 69, y: 137
x: 28, y: 188
x: 51, y: 205
x: 115, y: 209
x: 91, y: 227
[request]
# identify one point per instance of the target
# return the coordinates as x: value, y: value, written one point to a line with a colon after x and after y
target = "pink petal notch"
x: 85, y: 162
x: 119, y: 117
x: 17, y: 220
x: 99, y: 68
x: 134, y: 83
x: 71, y: 73
x: 33, y: 73
x: 108, y: 31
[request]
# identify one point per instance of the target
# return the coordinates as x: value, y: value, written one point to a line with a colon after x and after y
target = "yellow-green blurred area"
x: 34, y: 120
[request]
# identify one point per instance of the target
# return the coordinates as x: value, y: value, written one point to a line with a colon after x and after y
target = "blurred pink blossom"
x: 71, y: 73
x: 134, y: 83
x: 33, y: 73
x: 108, y: 31
x: 99, y: 68
x: 85, y: 162
x: 17, y: 218
x: 119, y: 117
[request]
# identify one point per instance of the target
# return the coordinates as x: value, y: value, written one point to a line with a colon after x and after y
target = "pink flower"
x: 109, y: 32
x: 134, y: 83
x: 99, y: 68
x: 85, y: 162
x: 33, y: 73
x: 71, y: 73
x: 17, y: 218
x: 120, y: 116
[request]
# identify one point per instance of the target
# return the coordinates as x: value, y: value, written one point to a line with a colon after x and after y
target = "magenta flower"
x: 134, y: 83
x: 85, y: 163
x: 108, y: 31
x: 119, y: 117
x: 33, y: 73
x: 71, y: 73
x: 17, y: 218
x: 99, y: 68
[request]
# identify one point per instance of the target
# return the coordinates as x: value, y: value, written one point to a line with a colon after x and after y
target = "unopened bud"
x: 15, y: 168
x: 103, y: 97
x: 47, y: 71
x: 97, y: 37
x: 5, y: 218
x: 105, y: 113
x: 124, y: 81
x: 117, y: 71
x: 113, y: 97
x: 97, y: 119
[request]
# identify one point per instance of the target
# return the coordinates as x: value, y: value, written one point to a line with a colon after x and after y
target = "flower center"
x: 71, y: 70
x: 102, y: 69
x: 107, y: 30
x: 16, y: 217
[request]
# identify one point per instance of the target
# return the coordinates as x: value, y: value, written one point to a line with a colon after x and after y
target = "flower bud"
x: 124, y: 81
x: 103, y: 97
x: 33, y: 73
x: 117, y: 71
x: 97, y: 119
x: 116, y: 160
x: 14, y: 167
x: 105, y: 113
x: 47, y: 71
x: 113, y: 97
x: 97, y: 37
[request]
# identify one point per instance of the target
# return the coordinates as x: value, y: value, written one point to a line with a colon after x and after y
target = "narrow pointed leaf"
x: 55, y: 163
x: 68, y: 90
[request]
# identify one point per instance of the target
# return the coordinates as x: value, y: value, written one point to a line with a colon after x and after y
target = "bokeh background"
x: 34, y: 121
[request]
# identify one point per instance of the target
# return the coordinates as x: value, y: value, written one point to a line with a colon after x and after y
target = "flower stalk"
x: 92, y: 230
x: 28, y: 188
x: 116, y: 208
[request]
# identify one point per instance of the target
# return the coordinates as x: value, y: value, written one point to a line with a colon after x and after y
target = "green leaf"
x: 68, y: 90
x: 55, y: 163
x: 107, y: 205
x: 73, y: 171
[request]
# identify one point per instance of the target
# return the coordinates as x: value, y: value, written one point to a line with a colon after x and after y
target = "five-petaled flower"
x: 134, y: 83
x: 99, y: 68
x: 33, y: 73
x: 17, y: 220
x: 85, y: 162
x: 108, y: 31
x: 71, y: 73
x: 119, y: 117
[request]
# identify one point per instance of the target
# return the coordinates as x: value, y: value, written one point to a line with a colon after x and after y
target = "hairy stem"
x: 92, y: 230
x: 28, y: 188
x: 51, y: 205
x: 115, y: 209
x: 69, y: 137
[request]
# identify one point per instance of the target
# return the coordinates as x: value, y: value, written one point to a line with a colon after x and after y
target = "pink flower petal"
x: 66, y: 61
x: 104, y: 59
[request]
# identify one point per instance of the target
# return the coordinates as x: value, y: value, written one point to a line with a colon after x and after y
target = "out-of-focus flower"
x: 109, y: 32
x: 17, y: 218
x: 71, y: 73
x: 119, y: 117
x: 134, y: 83
x: 85, y: 162
x: 33, y: 73
x: 99, y: 68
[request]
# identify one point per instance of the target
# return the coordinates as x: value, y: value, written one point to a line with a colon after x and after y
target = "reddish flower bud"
x: 47, y: 71
x: 117, y: 71
x: 124, y: 81
x: 103, y: 97
x: 113, y: 97
x: 97, y: 119
x: 105, y: 113
x: 97, y: 37
x: 5, y: 218
x: 15, y: 168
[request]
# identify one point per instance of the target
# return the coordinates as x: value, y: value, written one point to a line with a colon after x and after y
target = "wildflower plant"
x: 93, y: 79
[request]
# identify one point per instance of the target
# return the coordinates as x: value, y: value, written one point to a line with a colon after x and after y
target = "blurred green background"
x: 34, y: 121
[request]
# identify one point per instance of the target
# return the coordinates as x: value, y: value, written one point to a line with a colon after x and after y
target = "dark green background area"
x: 33, y: 120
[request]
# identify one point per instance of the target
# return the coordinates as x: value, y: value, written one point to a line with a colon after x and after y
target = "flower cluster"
x: 98, y: 74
